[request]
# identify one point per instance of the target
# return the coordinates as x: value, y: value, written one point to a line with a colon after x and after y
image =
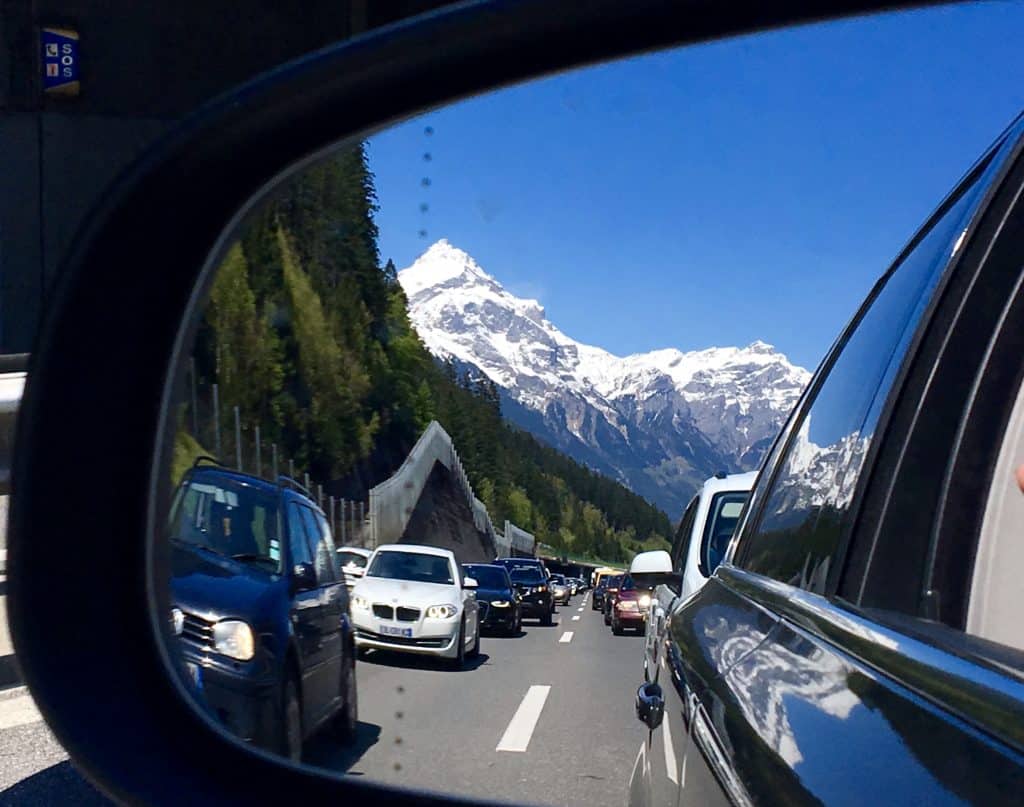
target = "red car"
x: 629, y: 607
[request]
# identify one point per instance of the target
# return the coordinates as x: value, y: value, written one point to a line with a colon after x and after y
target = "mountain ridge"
x: 660, y: 422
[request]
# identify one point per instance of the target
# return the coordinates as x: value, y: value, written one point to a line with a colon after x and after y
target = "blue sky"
x: 748, y: 189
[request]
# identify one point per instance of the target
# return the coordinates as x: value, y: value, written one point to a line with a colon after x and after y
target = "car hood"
x: 406, y: 592
x: 215, y: 588
x: 493, y: 593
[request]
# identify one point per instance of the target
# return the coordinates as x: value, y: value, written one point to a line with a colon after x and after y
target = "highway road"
x: 545, y: 717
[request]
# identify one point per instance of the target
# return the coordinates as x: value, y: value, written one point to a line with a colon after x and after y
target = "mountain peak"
x: 440, y: 265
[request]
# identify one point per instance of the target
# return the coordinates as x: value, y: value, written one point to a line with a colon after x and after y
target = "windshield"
x: 351, y: 559
x: 627, y: 584
x: 527, y: 575
x: 723, y: 516
x: 487, y: 576
x: 557, y: 578
x: 411, y: 566
x: 613, y: 582
x: 228, y: 517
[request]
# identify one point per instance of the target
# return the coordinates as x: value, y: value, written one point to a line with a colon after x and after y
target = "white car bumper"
x: 425, y: 637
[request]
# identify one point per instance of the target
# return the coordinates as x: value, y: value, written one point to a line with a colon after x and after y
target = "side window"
x: 681, y: 542
x: 723, y: 515
x: 322, y: 551
x: 805, y: 510
x: 298, y: 543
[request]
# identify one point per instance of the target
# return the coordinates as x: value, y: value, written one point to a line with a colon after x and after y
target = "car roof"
x: 732, y: 482
x: 359, y: 550
x: 417, y: 549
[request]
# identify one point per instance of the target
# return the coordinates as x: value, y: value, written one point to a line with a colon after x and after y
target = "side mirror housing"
x: 650, y: 705
x: 652, y: 569
x: 303, y: 577
x: 469, y: 582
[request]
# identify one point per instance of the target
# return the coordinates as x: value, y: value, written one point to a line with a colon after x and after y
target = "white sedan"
x: 413, y: 599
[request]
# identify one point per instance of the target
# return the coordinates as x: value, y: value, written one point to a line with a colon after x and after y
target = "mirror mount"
x: 653, y: 569
x: 303, y: 577
x: 650, y: 705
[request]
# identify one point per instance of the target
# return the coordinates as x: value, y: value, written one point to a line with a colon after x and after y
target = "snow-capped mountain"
x: 660, y: 422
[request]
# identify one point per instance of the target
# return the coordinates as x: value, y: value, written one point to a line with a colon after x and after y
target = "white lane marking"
x: 566, y: 637
x: 524, y: 721
x: 670, y: 752
x: 19, y: 710
x: 576, y: 618
x: 580, y: 610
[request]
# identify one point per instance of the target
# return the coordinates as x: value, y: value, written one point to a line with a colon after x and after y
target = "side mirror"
x: 650, y: 705
x: 652, y: 569
x: 303, y: 577
x: 469, y: 582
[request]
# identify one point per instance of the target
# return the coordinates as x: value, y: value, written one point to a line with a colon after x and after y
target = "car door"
x: 791, y: 713
x: 307, y: 617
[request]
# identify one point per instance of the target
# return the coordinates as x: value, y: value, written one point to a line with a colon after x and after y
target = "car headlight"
x: 645, y: 600
x: 177, y: 621
x: 541, y: 589
x: 234, y: 638
x: 441, y: 611
x: 360, y: 603
x: 500, y: 603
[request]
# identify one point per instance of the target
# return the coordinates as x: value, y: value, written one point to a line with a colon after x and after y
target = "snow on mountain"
x: 661, y: 422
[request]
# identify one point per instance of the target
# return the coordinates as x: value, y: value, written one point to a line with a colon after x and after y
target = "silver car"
x: 561, y: 591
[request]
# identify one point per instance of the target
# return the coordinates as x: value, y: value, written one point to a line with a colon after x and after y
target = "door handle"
x: 650, y: 705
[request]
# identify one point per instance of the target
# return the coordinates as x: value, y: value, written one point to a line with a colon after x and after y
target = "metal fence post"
x: 307, y: 480
x: 320, y: 495
x: 273, y: 450
x: 344, y: 526
x: 331, y: 514
x: 259, y: 459
x: 216, y: 421
x: 238, y: 441
x: 291, y: 468
x: 195, y: 408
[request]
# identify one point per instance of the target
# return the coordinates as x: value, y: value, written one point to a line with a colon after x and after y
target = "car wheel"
x: 616, y: 629
x: 460, y: 656
x: 546, y: 619
x: 291, y: 723
x: 347, y: 719
x: 607, y: 618
x: 474, y: 651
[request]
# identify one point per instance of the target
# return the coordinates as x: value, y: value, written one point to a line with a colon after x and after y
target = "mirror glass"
x: 508, y: 342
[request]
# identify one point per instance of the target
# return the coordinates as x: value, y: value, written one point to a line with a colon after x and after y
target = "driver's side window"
x: 297, y: 541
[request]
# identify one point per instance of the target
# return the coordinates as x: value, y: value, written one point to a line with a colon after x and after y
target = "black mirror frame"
x: 97, y: 381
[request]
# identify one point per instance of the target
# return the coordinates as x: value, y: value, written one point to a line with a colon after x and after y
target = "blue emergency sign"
x: 60, y: 63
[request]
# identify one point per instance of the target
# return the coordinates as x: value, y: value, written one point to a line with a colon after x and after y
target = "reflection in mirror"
x: 403, y: 487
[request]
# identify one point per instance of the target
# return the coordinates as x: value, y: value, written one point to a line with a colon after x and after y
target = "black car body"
x: 611, y: 589
x: 256, y: 560
x: 838, y: 654
x: 597, y: 600
x: 536, y: 600
x: 497, y: 599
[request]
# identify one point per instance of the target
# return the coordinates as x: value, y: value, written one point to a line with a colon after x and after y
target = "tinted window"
x: 411, y: 566
x: 681, y: 542
x: 488, y: 576
x: 320, y: 546
x: 527, y: 576
x: 297, y: 541
x: 804, y: 512
x: 229, y: 517
x: 723, y: 516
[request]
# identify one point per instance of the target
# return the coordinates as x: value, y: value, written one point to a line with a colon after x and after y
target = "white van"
x: 699, y: 545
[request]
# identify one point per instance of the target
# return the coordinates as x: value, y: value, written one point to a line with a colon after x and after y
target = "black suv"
x: 536, y: 599
x: 260, y: 608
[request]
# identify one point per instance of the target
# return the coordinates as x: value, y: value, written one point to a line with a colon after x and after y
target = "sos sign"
x: 60, y: 63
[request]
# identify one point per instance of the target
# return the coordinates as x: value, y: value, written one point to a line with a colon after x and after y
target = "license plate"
x: 195, y: 674
x: 388, y: 630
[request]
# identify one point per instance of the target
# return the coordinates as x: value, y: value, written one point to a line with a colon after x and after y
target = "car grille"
x: 384, y: 611
x: 404, y: 640
x: 197, y: 630
x: 408, y: 614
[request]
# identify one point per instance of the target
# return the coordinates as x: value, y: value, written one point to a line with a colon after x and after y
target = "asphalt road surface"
x: 545, y: 717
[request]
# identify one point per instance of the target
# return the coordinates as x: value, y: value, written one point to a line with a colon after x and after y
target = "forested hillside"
x: 309, y: 336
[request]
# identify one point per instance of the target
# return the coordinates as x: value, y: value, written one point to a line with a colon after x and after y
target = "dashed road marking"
x: 18, y: 710
x: 670, y: 752
x: 566, y: 637
x: 580, y: 610
x: 524, y: 721
x: 576, y: 619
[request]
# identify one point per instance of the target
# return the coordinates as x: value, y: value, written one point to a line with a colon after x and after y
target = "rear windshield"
x: 411, y: 566
x: 526, y: 574
x: 487, y: 576
x: 351, y: 559
x: 558, y: 578
x: 229, y: 517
